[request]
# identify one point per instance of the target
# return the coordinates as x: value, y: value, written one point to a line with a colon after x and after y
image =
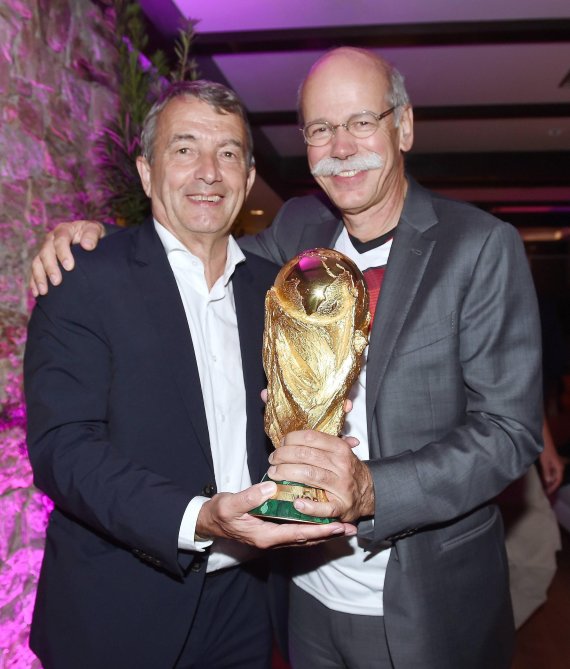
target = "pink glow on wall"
x: 50, y: 109
x: 23, y: 513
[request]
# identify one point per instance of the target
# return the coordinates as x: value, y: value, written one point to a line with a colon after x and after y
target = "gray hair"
x: 220, y: 97
x: 396, y: 95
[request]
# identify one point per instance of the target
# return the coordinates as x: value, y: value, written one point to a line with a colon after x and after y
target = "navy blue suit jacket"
x: 118, y: 438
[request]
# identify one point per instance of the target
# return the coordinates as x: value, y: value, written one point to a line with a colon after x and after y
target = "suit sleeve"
x: 497, y: 437
x: 266, y: 243
x: 301, y: 223
x: 67, y: 376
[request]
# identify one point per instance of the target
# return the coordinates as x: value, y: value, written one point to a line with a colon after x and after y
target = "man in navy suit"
x: 142, y: 377
x: 447, y: 409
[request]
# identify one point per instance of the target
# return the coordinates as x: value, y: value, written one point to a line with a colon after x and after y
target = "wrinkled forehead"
x: 193, y: 109
x: 344, y: 79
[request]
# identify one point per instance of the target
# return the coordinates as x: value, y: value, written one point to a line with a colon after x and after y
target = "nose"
x: 343, y: 144
x: 208, y: 169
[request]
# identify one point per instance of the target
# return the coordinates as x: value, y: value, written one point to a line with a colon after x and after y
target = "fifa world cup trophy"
x: 316, y: 328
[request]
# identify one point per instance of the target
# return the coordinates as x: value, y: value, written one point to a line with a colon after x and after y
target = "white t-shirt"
x: 343, y: 574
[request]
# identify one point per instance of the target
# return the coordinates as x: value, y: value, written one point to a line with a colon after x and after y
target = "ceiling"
x: 489, y: 81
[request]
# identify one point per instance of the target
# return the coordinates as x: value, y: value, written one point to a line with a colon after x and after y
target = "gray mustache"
x: 330, y: 167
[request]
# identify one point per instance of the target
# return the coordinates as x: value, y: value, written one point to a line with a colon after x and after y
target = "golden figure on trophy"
x: 316, y: 328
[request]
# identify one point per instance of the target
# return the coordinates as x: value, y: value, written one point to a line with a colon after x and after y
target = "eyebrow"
x: 181, y: 138
x: 321, y: 119
x: 230, y: 141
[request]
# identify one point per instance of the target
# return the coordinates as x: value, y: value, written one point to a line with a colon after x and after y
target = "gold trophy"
x: 316, y: 328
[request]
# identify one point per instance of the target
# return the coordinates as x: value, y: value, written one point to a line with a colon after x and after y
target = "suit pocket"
x: 471, y: 528
x: 426, y: 335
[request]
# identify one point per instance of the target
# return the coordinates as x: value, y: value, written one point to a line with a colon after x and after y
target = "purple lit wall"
x: 56, y: 87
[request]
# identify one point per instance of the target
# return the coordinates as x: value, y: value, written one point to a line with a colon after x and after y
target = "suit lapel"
x: 249, y: 296
x: 408, y: 259
x: 411, y: 250
x: 153, y: 276
x: 409, y: 256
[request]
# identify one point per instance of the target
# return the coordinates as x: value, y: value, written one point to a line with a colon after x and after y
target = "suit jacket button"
x: 209, y: 490
x: 197, y: 565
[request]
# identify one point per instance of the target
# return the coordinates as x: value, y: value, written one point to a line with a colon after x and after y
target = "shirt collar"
x: 172, y: 244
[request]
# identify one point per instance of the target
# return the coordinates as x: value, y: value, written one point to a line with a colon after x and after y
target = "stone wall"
x: 57, y: 85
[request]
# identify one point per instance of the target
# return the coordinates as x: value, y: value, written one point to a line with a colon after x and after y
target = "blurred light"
x: 565, y: 83
x: 531, y: 209
x: 544, y: 234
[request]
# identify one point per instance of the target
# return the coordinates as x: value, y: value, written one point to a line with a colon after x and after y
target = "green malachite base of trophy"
x: 281, y: 506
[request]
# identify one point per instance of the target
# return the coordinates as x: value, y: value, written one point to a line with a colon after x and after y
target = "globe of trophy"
x: 316, y: 329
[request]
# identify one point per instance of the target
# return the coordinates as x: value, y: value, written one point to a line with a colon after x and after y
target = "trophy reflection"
x: 316, y: 328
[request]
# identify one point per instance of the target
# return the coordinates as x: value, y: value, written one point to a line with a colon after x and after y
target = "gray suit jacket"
x: 454, y: 414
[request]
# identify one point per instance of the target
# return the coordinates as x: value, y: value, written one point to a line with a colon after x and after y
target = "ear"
x: 250, y: 180
x: 406, y: 129
x: 144, y: 172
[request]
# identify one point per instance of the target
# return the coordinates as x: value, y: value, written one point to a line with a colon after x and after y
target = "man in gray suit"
x: 447, y: 411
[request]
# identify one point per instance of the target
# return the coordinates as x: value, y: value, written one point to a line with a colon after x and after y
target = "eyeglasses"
x: 364, y: 124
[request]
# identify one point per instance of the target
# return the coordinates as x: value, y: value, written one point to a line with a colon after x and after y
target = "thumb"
x: 252, y: 497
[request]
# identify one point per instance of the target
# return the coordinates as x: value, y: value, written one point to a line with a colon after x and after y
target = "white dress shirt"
x: 212, y: 322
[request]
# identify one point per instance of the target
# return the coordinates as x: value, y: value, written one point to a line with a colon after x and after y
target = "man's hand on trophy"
x: 225, y: 515
x: 323, y: 461
x: 57, y: 246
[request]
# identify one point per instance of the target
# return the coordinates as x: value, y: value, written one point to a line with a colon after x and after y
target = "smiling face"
x: 199, y: 177
x: 370, y: 171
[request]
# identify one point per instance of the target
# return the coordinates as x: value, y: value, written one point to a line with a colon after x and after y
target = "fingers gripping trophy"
x: 316, y: 329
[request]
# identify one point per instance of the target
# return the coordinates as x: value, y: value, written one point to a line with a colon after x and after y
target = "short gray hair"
x: 397, y: 95
x: 218, y: 96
